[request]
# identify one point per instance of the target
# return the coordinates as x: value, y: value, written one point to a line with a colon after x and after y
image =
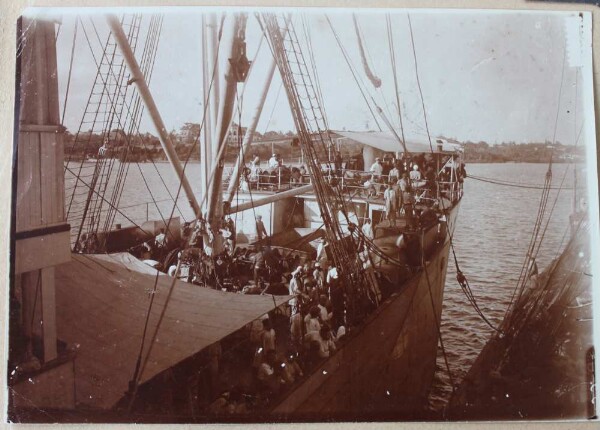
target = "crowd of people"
x: 419, y: 171
x: 288, y: 342
x: 315, y: 318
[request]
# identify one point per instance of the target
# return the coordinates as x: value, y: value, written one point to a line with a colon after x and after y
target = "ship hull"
x: 384, y: 369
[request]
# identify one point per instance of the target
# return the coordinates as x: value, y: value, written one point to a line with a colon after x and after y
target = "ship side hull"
x: 385, y: 369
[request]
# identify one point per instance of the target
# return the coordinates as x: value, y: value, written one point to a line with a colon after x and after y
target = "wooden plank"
x: 60, y: 177
x: 35, y: 217
x: 40, y: 85
x: 41, y: 128
x: 42, y: 251
x: 51, y: 184
x: 53, y: 115
x: 48, y: 304
x: 46, y: 178
x: 22, y: 209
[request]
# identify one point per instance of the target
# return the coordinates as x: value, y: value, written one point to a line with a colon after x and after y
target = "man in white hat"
x: 415, y: 175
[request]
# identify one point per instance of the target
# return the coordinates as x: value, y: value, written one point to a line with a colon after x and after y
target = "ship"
x: 99, y: 335
x: 540, y: 361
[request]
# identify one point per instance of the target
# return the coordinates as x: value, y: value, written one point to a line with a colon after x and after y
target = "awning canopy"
x: 386, y: 141
x: 101, y: 307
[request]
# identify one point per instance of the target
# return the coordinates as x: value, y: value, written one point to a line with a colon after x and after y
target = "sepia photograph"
x: 291, y: 215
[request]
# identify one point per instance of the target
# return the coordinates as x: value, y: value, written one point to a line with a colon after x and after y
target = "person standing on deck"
x: 321, y: 253
x: 407, y: 203
x: 274, y: 162
x: 261, y: 231
x: 161, y: 239
x: 415, y: 175
x: 338, y: 164
x: 230, y: 227
x: 367, y: 229
x: 318, y: 275
x: 431, y: 183
x: 259, y: 263
x: 256, y: 159
x: 391, y: 201
x: 295, y: 289
x: 376, y: 168
x: 394, y: 174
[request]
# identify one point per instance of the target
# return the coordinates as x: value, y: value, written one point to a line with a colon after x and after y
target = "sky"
x: 485, y: 75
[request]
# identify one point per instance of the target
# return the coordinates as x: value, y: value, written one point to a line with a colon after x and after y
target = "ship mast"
x: 236, y: 66
x: 208, y: 63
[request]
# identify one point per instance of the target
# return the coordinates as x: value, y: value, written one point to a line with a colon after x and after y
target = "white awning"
x: 387, y: 142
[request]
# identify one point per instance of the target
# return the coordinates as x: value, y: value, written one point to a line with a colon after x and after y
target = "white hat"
x: 226, y: 233
x: 415, y: 167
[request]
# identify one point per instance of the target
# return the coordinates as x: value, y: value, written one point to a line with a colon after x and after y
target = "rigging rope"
x: 121, y: 212
x: 299, y: 86
x: 192, y: 149
x: 394, y: 72
x: 134, y: 112
x: 412, y: 40
x: 513, y: 184
x: 353, y: 71
x: 529, y: 257
x: 460, y: 276
x: 139, y: 358
x: 62, y: 121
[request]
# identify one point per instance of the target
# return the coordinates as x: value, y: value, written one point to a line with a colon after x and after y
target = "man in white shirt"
x: 161, y: 238
x: 415, y: 174
x: 377, y: 168
x: 394, y: 173
x: 391, y: 201
x: 367, y: 229
x: 321, y: 254
x: 274, y: 162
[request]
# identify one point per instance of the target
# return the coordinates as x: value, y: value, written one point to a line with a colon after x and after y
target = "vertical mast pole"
x: 249, y: 135
x: 142, y: 86
x: 206, y: 155
x: 213, y: 42
x: 233, y: 40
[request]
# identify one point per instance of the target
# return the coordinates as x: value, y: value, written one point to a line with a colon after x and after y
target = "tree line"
x: 144, y: 147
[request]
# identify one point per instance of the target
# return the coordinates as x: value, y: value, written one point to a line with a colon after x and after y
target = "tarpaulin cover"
x: 386, y: 141
x: 101, y: 307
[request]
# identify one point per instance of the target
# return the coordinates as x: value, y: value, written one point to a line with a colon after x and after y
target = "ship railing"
x: 451, y: 190
x: 358, y: 183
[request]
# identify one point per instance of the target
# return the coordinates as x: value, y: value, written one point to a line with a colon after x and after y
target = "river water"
x: 492, y: 234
